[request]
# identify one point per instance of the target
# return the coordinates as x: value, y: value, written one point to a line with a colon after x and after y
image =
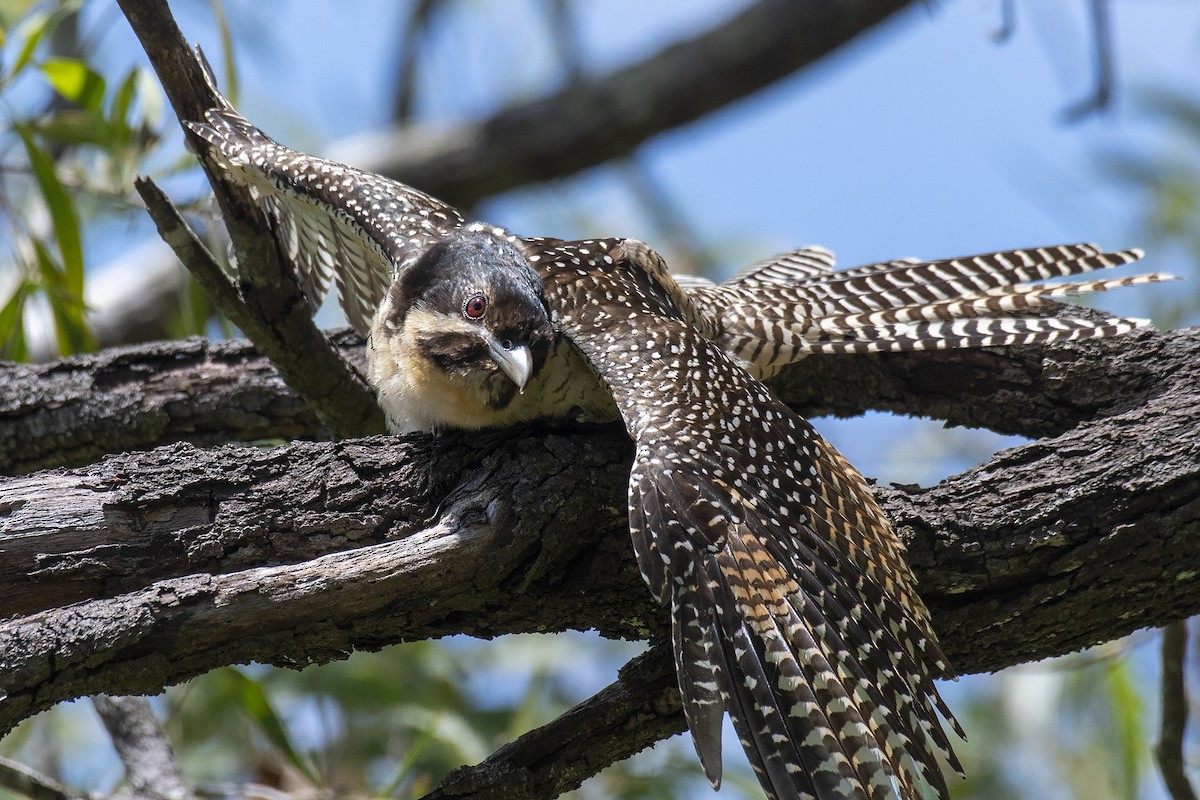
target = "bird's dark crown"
x: 465, y: 263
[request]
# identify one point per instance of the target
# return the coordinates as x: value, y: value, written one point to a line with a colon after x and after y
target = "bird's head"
x: 469, y: 313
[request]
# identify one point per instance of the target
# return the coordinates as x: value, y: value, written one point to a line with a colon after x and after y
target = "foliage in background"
x: 72, y: 138
x: 1168, y: 175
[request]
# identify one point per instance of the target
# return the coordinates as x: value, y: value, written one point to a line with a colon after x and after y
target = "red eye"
x: 475, y: 307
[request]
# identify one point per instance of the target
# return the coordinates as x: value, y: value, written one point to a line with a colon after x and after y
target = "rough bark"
x: 144, y: 569
x: 1028, y: 391
x: 148, y: 568
x: 74, y: 411
x: 297, y: 554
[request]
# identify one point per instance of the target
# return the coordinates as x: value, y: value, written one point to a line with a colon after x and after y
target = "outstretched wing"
x: 802, y: 265
x: 336, y: 223
x: 782, y: 309
x: 792, y: 607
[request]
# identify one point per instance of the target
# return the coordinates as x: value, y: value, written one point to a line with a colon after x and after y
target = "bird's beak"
x: 515, y: 361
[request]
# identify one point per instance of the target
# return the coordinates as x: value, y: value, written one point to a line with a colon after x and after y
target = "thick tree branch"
x: 167, y: 563
x: 73, y: 411
x: 76, y: 410
x: 189, y: 559
x: 584, y: 125
x: 102, y: 607
x: 1029, y: 391
x: 149, y: 568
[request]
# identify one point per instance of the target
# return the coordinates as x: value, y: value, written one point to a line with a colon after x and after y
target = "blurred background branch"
x: 1170, y: 750
x: 151, y: 771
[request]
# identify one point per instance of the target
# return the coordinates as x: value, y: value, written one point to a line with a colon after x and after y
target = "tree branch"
x: 579, y: 127
x: 1105, y: 72
x: 584, y: 125
x: 1029, y: 391
x: 149, y: 568
x: 150, y: 766
x: 164, y: 564
x: 76, y: 410
x: 597, y: 119
x: 191, y: 252
x: 20, y: 779
x: 1175, y: 707
x: 639, y: 709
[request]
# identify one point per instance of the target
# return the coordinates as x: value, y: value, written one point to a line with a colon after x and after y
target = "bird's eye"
x: 475, y: 306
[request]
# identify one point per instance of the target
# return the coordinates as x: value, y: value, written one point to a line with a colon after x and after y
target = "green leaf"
x: 11, y: 11
x: 71, y: 330
x: 122, y: 103
x: 12, y: 324
x: 31, y: 31
x: 1129, y: 725
x: 197, y: 308
x: 76, y: 81
x: 408, y: 763
x: 62, y: 212
x: 75, y: 126
x: 67, y: 308
x: 258, y: 708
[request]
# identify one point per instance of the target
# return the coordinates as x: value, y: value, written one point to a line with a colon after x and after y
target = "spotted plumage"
x: 736, y: 511
x: 792, y: 606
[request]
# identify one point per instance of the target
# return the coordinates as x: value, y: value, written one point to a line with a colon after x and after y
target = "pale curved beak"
x: 515, y: 361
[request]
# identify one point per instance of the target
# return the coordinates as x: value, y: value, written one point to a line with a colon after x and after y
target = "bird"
x: 792, y: 606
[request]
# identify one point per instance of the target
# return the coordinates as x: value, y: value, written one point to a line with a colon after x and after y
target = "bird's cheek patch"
x: 455, y: 353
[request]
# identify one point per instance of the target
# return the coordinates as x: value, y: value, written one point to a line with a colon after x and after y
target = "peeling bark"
x: 74, y: 411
